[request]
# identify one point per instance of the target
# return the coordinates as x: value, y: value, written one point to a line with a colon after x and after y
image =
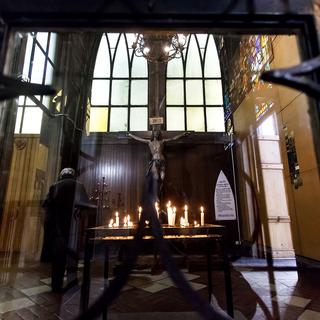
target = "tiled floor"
x: 258, y: 293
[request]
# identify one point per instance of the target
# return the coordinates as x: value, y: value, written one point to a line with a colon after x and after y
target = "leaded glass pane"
x: 175, y: 119
x: 30, y: 102
x: 121, y: 63
x: 139, y: 92
x: 139, y: 67
x: 215, y: 119
x: 98, y: 120
x: 212, y: 65
x: 193, y: 67
x: 52, y: 46
x: 100, y: 92
x: 195, y: 119
x: 175, y: 94
x: 18, y: 120
x: 213, y: 92
x: 120, y: 92
x: 37, y: 66
x: 194, y: 92
x: 119, y: 119
x: 113, y: 38
x: 42, y: 38
x: 138, y: 119
x: 49, y: 74
x: 102, y: 66
x: 21, y: 100
x: 46, y: 101
x: 32, y: 120
x: 175, y: 68
x: 27, y: 57
x: 131, y: 38
x: 112, y: 51
x: 202, y: 53
x: 202, y: 39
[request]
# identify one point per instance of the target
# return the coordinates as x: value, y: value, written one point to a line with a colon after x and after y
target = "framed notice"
x: 224, y: 200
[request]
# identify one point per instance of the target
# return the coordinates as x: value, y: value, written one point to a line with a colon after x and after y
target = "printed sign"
x: 156, y: 120
x: 224, y: 200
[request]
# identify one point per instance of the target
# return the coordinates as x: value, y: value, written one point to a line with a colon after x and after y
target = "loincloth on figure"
x: 159, y: 164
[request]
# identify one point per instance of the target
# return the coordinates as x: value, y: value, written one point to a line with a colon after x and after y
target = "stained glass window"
x: 194, y: 97
x: 38, y: 67
x: 119, y: 85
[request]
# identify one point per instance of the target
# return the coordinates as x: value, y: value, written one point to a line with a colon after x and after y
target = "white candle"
x: 125, y: 220
x: 202, y: 216
x: 169, y: 212
x: 117, y: 219
x: 182, y: 222
x: 111, y: 223
x: 129, y: 222
x: 174, y: 215
x: 139, y: 212
x: 196, y: 223
x: 156, y: 204
x: 186, y: 215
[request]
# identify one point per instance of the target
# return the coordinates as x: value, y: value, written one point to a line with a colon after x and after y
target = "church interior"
x: 233, y: 153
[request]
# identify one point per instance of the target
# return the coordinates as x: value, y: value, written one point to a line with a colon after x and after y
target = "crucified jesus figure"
x: 156, y: 146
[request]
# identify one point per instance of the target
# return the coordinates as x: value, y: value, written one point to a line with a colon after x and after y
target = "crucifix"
x: 156, y: 145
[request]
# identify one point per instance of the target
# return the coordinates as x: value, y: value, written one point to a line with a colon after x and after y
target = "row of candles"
x: 171, y: 213
x: 184, y: 220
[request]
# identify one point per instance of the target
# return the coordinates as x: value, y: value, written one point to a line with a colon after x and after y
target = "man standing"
x: 63, y: 203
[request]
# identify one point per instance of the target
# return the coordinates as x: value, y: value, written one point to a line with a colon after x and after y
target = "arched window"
x: 38, y: 67
x: 119, y: 95
x: 193, y: 88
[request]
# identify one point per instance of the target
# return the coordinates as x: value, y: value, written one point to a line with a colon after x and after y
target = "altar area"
x: 136, y: 238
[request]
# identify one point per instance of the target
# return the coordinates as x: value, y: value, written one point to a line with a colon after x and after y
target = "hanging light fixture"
x: 159, y: 47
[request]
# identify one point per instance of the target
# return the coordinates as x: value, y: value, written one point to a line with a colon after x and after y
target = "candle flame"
x: 185, y: 207
x: 140, y: 209
x: 169, y: 204
x: 201, y: 208
x: 174, y: 209
x: 117, y: 213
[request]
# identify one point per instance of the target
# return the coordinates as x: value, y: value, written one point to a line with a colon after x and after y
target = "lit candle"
x: 169, y: 212
x: 117, y: 219
x: 186, y: 215
x: 202, y: 216
x: 147, y: 223
x: 182, y: 222
x: 111, y: 223
x: 125, y: 220
x: 130, y: 223
x: 139, y: 210
x: 174, y: 215
x: 156, y: 204
x: 196, y: 223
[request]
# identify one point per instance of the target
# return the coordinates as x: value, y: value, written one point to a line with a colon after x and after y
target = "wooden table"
x: 205, y: 235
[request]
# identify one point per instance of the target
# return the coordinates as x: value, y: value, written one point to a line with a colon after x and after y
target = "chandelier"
x: 159, y: 47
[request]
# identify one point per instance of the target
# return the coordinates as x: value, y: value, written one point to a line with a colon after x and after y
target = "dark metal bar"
x: 227, y: 278
x: 85, y: 288
x: 209, y: 269
x: 106, y: 275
